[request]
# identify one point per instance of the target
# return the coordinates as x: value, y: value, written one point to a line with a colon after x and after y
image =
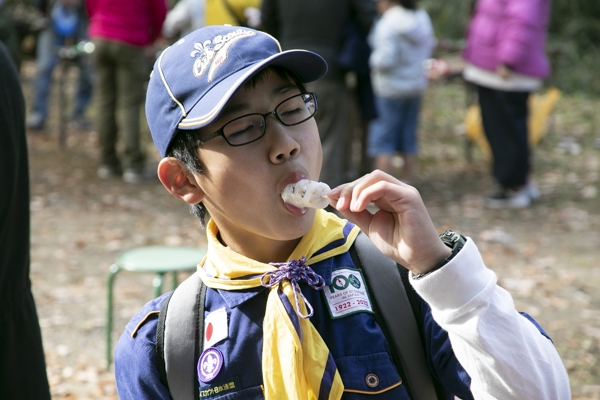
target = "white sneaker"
x: 107, y: 172
x: 133, y: 176
x: 35, y: 122
x: 507, y: 198
x: 534, y: 192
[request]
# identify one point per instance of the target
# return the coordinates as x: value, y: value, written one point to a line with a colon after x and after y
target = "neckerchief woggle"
x: 296, y: 363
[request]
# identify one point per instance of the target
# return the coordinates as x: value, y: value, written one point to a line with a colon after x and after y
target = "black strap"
x: 160, y: 341
x: 199, y: 347
x: 416, y: 307
x: 178, y: 338
x: 399, y: 317
x: 382, y: 325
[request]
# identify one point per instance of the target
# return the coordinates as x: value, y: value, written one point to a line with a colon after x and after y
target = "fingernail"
x: 333, y: 191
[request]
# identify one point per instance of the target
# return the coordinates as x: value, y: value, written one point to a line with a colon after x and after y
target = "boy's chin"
x: 303, y: 223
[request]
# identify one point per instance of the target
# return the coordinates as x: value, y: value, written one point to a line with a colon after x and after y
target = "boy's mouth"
x: 307, y: 193
x: 291, y: 178
x: 297, y: 211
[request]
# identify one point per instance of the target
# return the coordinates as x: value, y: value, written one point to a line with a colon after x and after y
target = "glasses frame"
x: 264, y: 116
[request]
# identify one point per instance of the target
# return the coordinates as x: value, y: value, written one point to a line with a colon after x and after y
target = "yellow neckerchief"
x: 296, y: 363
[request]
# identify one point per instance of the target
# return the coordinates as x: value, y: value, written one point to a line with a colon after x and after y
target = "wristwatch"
x: 451, y: 239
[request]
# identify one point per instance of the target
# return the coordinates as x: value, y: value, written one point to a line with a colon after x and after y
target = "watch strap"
x: 451, y: 239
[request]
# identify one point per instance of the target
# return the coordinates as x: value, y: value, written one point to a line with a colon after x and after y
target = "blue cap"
x: 193, y: 79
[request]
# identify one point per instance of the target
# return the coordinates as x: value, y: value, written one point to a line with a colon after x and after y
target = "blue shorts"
x: 395, y: 128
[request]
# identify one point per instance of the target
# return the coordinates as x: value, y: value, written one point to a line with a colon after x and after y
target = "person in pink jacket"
x: 506, y: 59
x: 122, y: 31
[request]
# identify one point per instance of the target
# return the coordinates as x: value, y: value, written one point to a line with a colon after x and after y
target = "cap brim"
x: 308, y: 66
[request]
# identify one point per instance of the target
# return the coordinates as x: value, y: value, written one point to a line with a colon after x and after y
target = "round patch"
x: 209, y: 331
x: 209, y: 364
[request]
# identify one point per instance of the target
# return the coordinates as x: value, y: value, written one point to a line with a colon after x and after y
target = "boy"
x: 228, y: 112
x: 401, y: 41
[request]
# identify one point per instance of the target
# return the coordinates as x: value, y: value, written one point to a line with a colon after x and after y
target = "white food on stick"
x: 306, y: 193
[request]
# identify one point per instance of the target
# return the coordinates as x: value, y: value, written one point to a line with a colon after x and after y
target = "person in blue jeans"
x: 67, y: 25
x: 401, y: 40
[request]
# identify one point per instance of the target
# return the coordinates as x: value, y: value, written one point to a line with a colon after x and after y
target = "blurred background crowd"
x: 382, y: 55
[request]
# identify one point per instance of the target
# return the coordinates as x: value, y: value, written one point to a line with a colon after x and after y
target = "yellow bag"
x: 540, y: 106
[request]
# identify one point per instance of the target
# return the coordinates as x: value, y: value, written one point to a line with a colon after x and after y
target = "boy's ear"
x: 179, y: 181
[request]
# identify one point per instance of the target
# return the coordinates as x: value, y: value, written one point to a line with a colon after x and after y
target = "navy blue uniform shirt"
x: 355, y: 340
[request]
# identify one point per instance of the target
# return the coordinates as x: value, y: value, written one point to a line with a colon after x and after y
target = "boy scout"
x: 228, y: 111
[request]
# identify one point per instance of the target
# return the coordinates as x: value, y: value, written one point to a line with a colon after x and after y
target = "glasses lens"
x: 296, y: 109
x: 244, y: 130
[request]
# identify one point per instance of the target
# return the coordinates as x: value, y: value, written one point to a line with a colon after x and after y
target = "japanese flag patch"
x: 215, y: 327
x: 347, y: 293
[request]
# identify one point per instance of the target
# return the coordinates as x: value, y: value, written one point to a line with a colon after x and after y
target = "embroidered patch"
x: 209, y: 364
x: 210, y: 55
x: 220, y: 388
x: 347, y: 293
x: 215, y: 327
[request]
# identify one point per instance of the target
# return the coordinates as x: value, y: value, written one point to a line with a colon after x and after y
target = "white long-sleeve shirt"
x: 505, y: 355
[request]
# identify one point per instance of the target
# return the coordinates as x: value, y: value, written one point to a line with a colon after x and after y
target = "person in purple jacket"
x: 507, y: 61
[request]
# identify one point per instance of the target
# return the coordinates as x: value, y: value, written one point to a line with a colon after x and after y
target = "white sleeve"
x: 383, y: 51
x: 504, y: 353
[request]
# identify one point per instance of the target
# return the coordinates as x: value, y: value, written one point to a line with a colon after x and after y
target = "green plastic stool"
x: 158, y: 260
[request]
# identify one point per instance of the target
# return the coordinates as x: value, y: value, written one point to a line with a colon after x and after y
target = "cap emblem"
x: 212, y: 54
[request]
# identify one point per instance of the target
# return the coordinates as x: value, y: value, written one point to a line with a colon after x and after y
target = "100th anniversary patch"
x: 347, y: 293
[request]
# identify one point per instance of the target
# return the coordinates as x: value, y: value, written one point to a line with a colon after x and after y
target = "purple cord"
x: 295, y: 271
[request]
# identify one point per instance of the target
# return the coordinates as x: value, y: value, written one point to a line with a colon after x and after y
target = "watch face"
x: 450, y: 238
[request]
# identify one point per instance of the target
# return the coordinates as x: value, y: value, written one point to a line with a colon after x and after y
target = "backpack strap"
x: 160, y: 341
x: 177, y: 334
x: 400, y: 318
x: 413, y: 298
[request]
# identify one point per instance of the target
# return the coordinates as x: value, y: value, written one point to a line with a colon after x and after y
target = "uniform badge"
x: 348, y: 293
x: 209, y: 364
x: 215, y: 327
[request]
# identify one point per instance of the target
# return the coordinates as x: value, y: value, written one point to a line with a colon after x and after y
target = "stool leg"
x: 157, y: 283
x: 109, y: 312
x: 175, y: 280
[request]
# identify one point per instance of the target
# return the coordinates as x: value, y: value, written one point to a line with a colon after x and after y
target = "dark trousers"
x: 333, y: 120
x: 121, y: 72
x: 504, y: 115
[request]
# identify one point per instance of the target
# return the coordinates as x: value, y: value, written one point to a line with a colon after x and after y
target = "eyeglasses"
x: 251, y: 127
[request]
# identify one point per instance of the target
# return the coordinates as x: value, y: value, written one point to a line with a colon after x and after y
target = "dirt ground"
x: 546, y: 256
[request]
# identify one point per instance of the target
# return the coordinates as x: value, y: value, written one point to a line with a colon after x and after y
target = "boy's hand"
x: 401, y: 228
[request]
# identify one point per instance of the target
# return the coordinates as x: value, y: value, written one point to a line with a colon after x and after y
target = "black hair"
x: 408, y: 4
x: 184, y: 146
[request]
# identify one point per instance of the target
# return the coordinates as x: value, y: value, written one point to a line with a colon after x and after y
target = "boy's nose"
x: 283, y: 143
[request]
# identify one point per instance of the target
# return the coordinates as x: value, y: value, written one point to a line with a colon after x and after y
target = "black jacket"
x: 315, y: 25
x: 22, y: 365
